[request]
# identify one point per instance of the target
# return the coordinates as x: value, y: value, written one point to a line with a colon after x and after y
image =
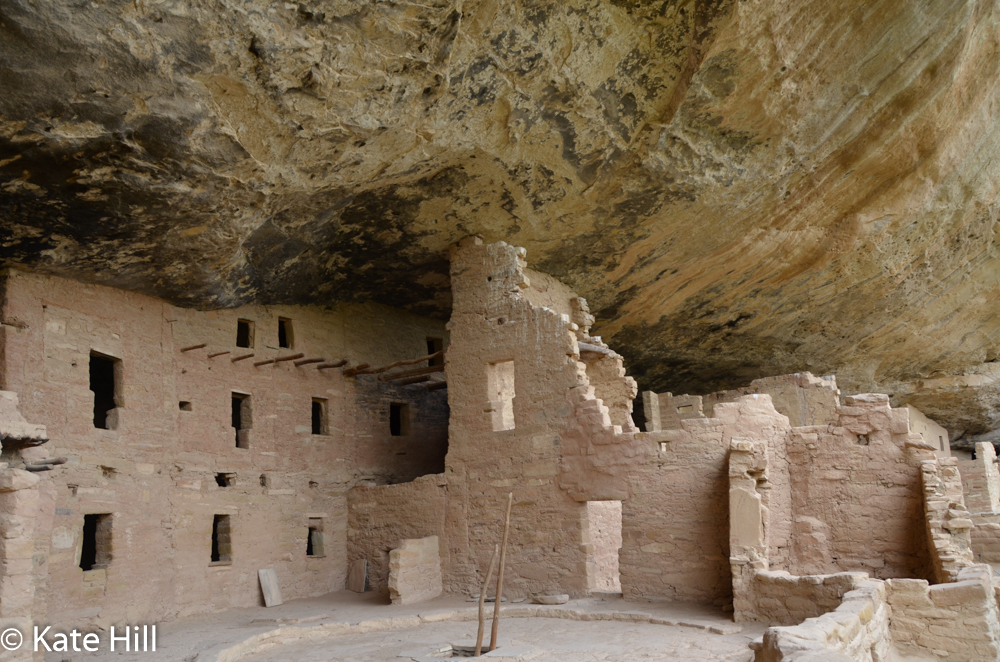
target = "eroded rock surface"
x: 739, y: 188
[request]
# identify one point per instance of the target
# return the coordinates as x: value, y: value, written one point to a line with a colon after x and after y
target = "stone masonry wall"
x: 155, y: 471
x: 858, y: 630
x: 380, y: 517
x: 981, y: 480
x: 789, y: 599
x: 803, y: 398
x: 948, y: 522
x: 981, y: 485
x: 952, y: 621
x: 494, y: 321
x: 856, y: 494
x: 675, y: 537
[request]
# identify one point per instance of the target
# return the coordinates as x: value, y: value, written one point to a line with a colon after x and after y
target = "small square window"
x: 435, y: 345
x: 241, y: 419
x: 286, y: 338
x: 314, y: 542
x: 96, y: 544
x: 399, y: 419
x: 222, y: 547
x: 105, y: 382
x: 500, y: 390
x: 184, y: 405
x: 319, y: 422
x: 225, y: 479
x: 244, y: 333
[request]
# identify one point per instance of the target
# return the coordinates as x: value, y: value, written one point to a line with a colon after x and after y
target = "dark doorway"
x: 102, y: 383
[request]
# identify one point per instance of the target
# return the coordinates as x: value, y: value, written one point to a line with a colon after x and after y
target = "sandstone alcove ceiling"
x: 739, y: 188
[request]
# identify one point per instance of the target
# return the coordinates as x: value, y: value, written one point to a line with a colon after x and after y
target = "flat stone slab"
x: 550, y: 599
x: 269, y: 586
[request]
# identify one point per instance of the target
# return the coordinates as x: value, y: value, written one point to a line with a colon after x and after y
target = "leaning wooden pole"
x: 482, y: 600
x: 503, y: 559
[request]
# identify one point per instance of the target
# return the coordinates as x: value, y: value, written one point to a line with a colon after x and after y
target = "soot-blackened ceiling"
x: 740, y: 188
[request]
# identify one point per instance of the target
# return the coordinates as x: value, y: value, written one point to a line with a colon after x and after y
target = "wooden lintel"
x: 594, y: 349
x: 429, y: 370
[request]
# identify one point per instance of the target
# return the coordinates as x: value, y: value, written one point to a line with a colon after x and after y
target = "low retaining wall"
x: 955, y: 621
x: 857, y: 629
x: 787, y: 599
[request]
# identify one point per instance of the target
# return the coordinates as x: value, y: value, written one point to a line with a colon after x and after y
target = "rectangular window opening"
x: 244, y: 333
x: 225, y: 479
x: 241, y: 419
x: 105, y: 376
x: 96, y: 546
x: 222, y: 548
x: 500, y: 385
x: 184, y: 405
x: 435, y: 345
x: 285, y: 336
x: 319, y: 422
x: 399, y: 419
x: 314, y: 542
x: 941, y: 441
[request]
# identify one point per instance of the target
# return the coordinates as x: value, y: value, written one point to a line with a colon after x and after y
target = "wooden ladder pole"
x: 482, y: 600
x: 503, y: 560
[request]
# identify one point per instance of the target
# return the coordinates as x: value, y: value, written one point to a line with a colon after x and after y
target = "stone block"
x: 415, y: 571
x: 959, y: 593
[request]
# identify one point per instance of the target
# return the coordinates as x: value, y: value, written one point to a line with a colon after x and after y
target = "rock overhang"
x: 738, y: 190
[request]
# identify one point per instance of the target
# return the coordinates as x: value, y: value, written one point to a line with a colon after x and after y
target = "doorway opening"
x: 604, y: 530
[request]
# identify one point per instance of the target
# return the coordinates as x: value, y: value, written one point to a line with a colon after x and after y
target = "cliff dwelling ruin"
x: 570, y: 332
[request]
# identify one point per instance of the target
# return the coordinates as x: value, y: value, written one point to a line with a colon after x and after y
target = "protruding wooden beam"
x: 410, y: 373
x: 375, y: 371
x: 240, y: 358
x: 278, y: 359
x: 214, y: 354
x: 351, y: 372
x: 308, y: 361
x: 413, y: 380
x: 333, y: 364
x: 436, y: 386
x: 191, y: 347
